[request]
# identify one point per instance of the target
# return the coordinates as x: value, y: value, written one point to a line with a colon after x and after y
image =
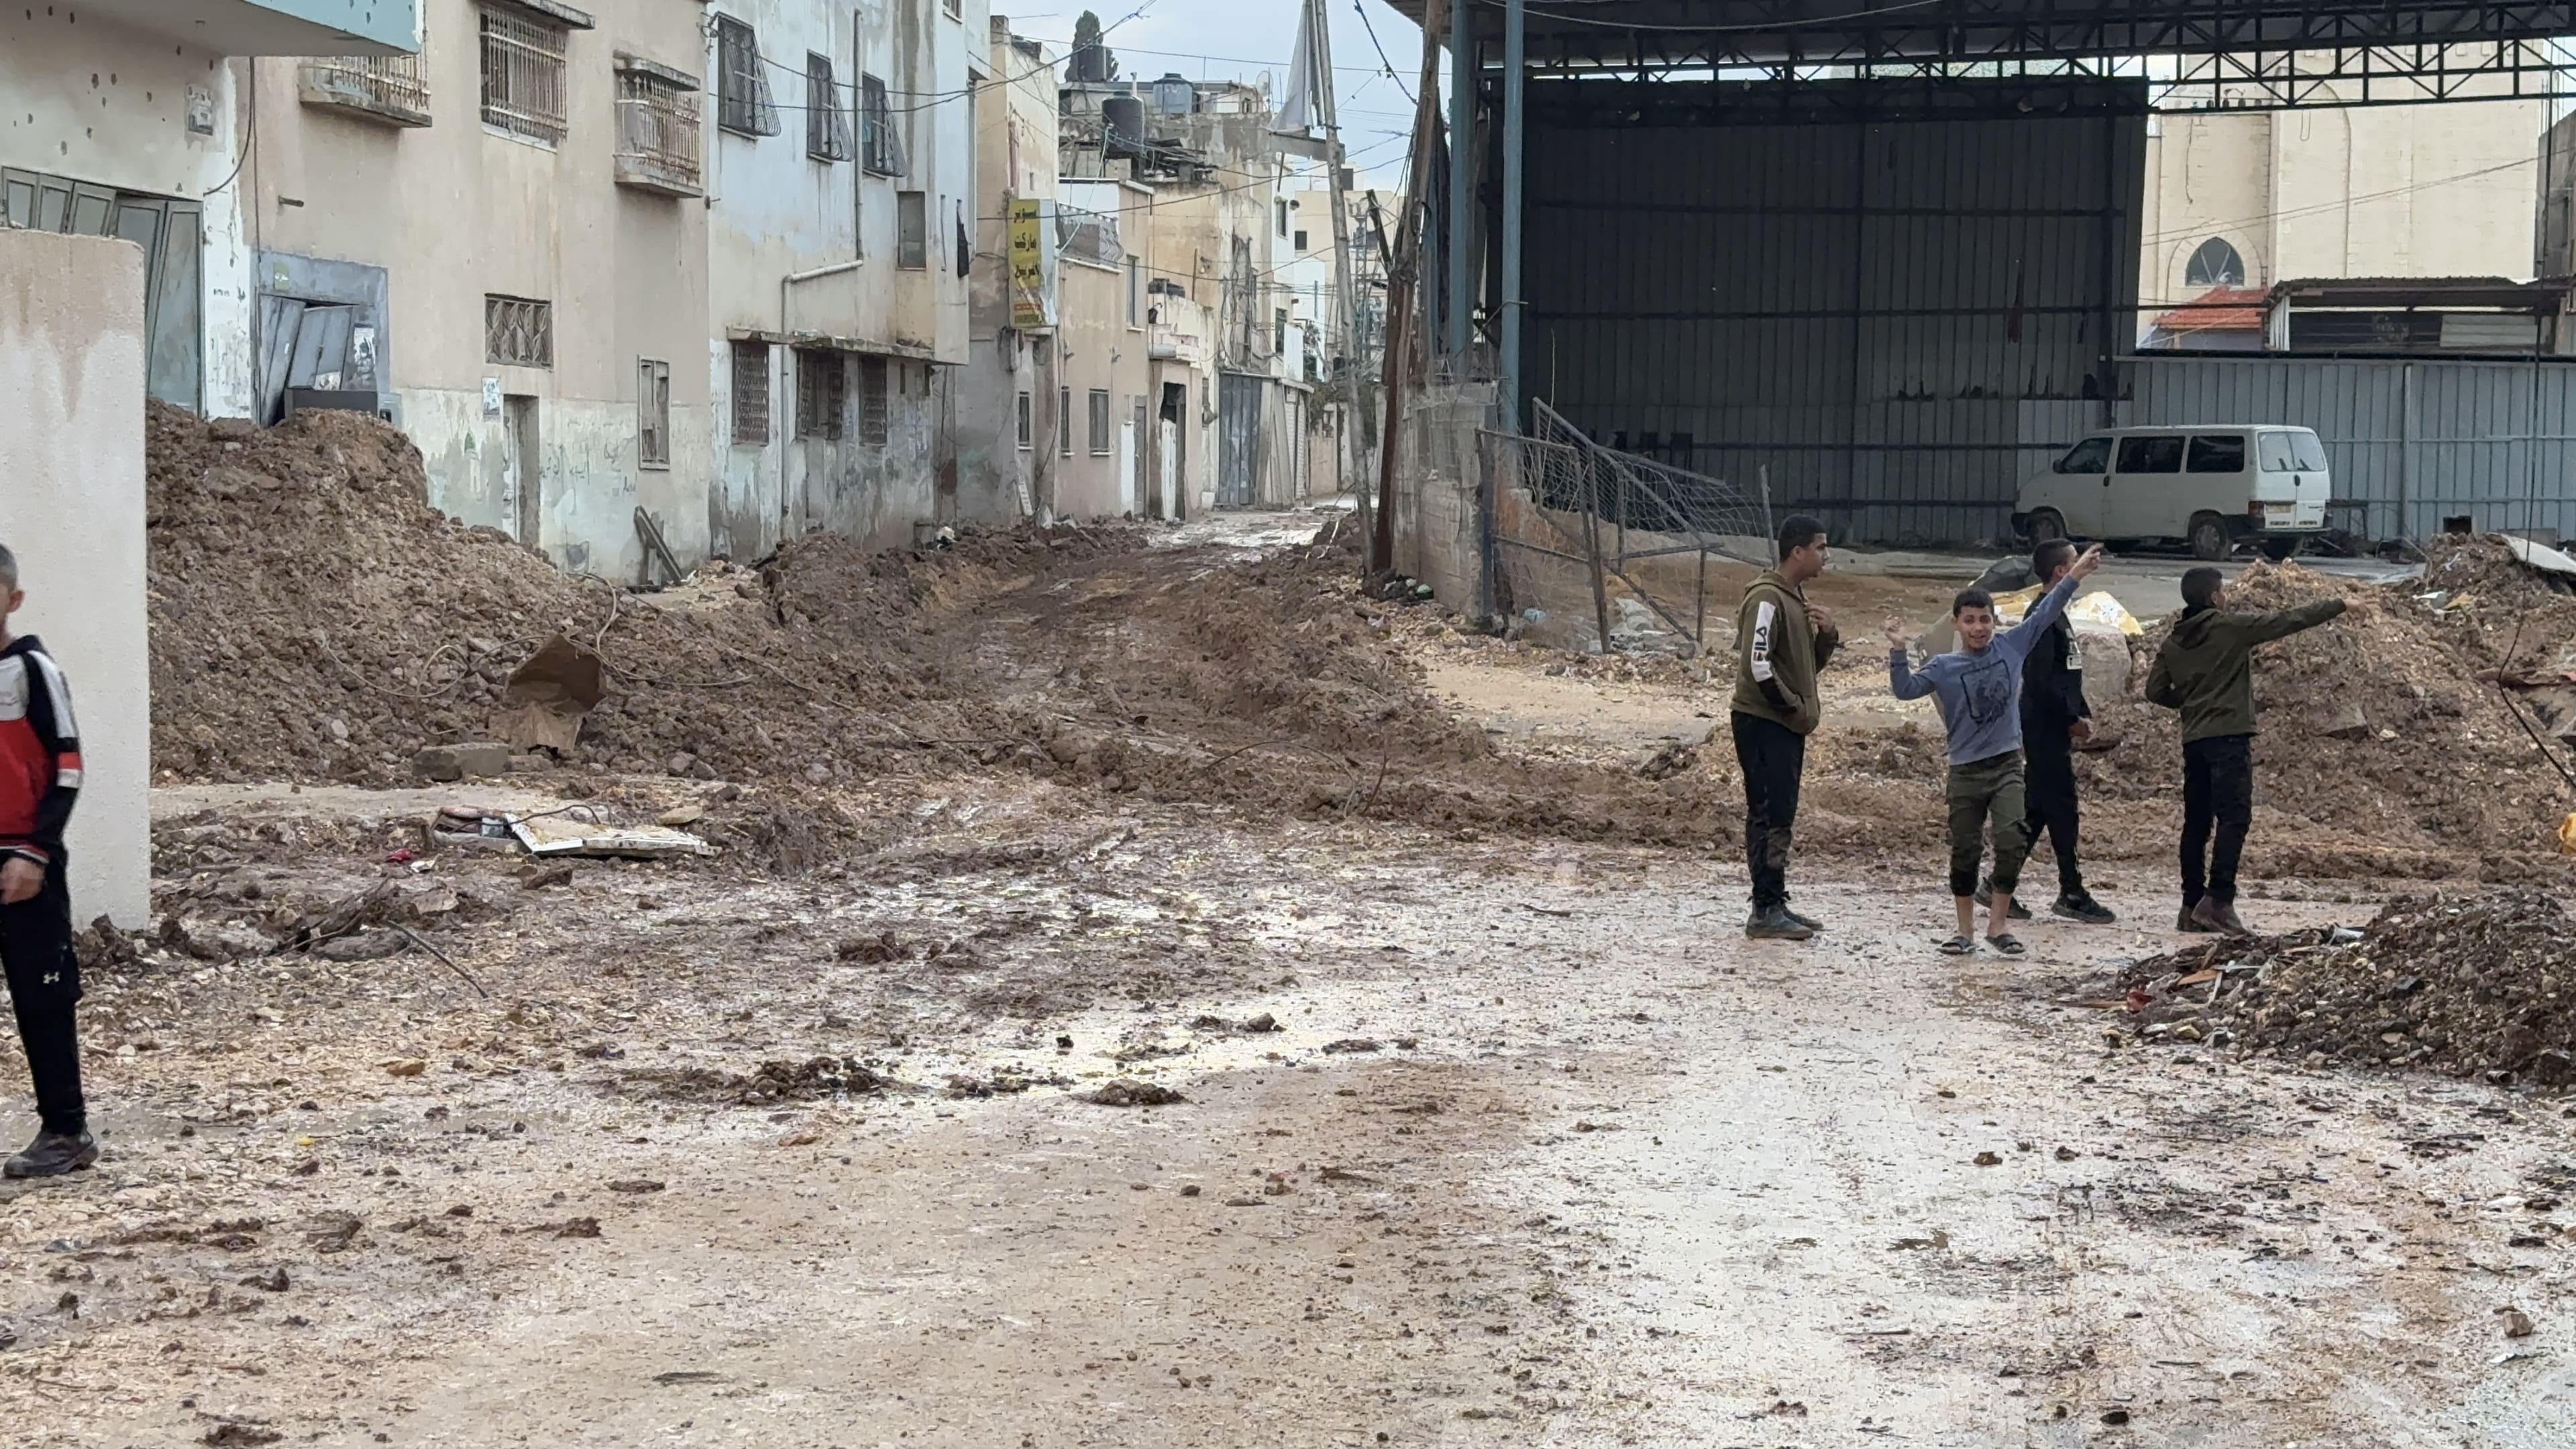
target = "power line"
x: 1389, y: 71
x: 2322, y: 207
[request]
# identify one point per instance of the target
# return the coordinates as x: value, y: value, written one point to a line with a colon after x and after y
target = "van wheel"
x: 2046, y: 527
x: 2208, y: 537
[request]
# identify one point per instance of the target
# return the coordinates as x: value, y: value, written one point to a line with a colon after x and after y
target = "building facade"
x: 128, y: 120
x: 840, y: 244
x: 2244, y: 200
x: 502, y: 239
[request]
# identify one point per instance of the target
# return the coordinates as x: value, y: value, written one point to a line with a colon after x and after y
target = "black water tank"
x: 1124, y: 119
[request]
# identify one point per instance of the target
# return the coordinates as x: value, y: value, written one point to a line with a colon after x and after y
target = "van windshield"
x: 2308, y: 452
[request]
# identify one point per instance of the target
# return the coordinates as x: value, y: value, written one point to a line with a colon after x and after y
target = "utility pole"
x: 1400, y: 286
x: 1354, y: 445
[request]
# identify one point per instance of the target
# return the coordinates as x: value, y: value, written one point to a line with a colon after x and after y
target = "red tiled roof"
x: 2220, y: 309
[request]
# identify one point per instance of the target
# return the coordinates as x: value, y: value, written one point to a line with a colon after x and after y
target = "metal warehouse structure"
x: 1882, y: 256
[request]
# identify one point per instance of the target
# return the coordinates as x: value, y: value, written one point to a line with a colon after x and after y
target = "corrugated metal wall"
x: 2415, y: 441
x: 1866, y: 310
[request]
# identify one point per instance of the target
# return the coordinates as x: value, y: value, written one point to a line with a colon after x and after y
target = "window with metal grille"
x: 1100, y: 422
x: 743, y: 105
x: 1064, y: 421
x: 657, y: 132
x: 751, y: 393
x: 953, y: 9
x: 874, y: 404
x: 911, y: 230
x: 880, y: 150
x: 523, y: 75
x: 827, y: 121
x: 822, y: 393
x: 652, y: 413
x: 1135, y: 292
x: 519, y: 331
x: 1028, y: 422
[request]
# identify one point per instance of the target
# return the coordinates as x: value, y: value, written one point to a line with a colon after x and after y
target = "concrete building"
x: 1103, y: 367
x: 1006, y: 398
x: 841, y: 172
x: 73, y: 349
x: 1213, y: 235
x: 125, y: 118
x: 2243, y: 200
x: 501, y: 240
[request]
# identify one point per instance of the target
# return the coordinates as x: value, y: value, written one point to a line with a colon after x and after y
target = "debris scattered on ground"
x: 1126, y: 1093
x: 2465, y: 984
x: 771, y: 1083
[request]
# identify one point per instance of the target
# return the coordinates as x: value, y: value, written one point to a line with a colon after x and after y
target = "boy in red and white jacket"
x: 40, y: 776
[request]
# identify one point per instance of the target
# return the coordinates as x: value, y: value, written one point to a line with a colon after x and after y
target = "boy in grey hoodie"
x: 1979, y: 689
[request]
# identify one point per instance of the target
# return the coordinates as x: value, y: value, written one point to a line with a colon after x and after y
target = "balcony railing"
x: 657, y: 135
x: 1090, y: 235
x: 390, y: 90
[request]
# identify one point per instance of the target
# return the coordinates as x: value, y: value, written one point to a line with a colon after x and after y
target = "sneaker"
x: 2187, y: 921
x: 1774, y: 923
x: 1810, y: 922
x: 52, y: 1154
x: 2079, y: 905
x: 1986, y: 892
x: 2214, y: 914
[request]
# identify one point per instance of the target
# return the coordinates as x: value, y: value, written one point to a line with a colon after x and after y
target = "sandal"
x: 1958, y: 946
x: 2006, y: 943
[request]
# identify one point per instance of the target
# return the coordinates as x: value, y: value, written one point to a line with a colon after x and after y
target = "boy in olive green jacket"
x: 1781, y: 641
x: 2205, y: 669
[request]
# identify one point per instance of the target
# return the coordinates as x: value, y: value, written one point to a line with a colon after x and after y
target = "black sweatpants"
x: 2217, y: 790
x: 1773, y: 757
x: 2049, y: 782
x: 44, y: 985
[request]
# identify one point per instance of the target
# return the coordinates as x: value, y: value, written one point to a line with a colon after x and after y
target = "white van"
x: 2213, y: 487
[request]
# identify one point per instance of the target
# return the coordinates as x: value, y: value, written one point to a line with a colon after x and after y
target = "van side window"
x: 2093, y: 455
x: 2151, y: 454
x: 2218, y: 453
x: 2307, y: 452
x: 2274, y: 450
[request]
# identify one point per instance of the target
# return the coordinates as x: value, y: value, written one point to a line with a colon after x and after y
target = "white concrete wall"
x: 71, y: 364
x: 88, y: 99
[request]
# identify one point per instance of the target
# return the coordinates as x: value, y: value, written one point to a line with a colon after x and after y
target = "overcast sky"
x: 1239, y: 39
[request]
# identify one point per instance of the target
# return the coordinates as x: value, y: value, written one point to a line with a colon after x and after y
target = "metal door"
x: 521, y: 472
x: 1238, y: 439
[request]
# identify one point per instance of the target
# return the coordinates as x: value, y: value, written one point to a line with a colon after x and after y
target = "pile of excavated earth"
x: 2465, y: 984
x: 315, y: 620
x: 2385, y: 732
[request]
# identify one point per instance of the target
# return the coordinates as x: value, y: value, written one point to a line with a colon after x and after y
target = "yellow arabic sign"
x: 1032, y: 265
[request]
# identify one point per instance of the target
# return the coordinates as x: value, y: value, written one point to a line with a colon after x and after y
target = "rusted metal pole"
x: 1400, y: 287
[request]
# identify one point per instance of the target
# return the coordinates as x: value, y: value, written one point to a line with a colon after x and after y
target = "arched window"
x: 2215, y: 264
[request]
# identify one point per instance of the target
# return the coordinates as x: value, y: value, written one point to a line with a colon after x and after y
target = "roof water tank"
x: 1124, y: 119
x: 1174, y: 95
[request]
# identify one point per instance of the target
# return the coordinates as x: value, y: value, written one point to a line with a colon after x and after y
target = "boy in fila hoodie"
x: 40, y: 775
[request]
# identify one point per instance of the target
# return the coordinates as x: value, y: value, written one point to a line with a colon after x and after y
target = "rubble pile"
x: 314, y: 619
x: 2379, y: 727
x: 2464, y: 984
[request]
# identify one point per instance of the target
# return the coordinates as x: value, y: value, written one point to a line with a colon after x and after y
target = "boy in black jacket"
x: 2054, y: 719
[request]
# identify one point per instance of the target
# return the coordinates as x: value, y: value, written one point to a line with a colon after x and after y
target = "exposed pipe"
x: 1515, y: 127
x: 1462, y: 115
x: 782, y: 389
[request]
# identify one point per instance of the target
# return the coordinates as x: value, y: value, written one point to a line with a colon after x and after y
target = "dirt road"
x: 1256, y: 1051
x: 1544, y: 1152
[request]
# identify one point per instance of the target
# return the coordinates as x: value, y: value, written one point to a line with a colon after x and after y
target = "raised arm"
x: 2281, y: 624
x: 1901, y: 678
